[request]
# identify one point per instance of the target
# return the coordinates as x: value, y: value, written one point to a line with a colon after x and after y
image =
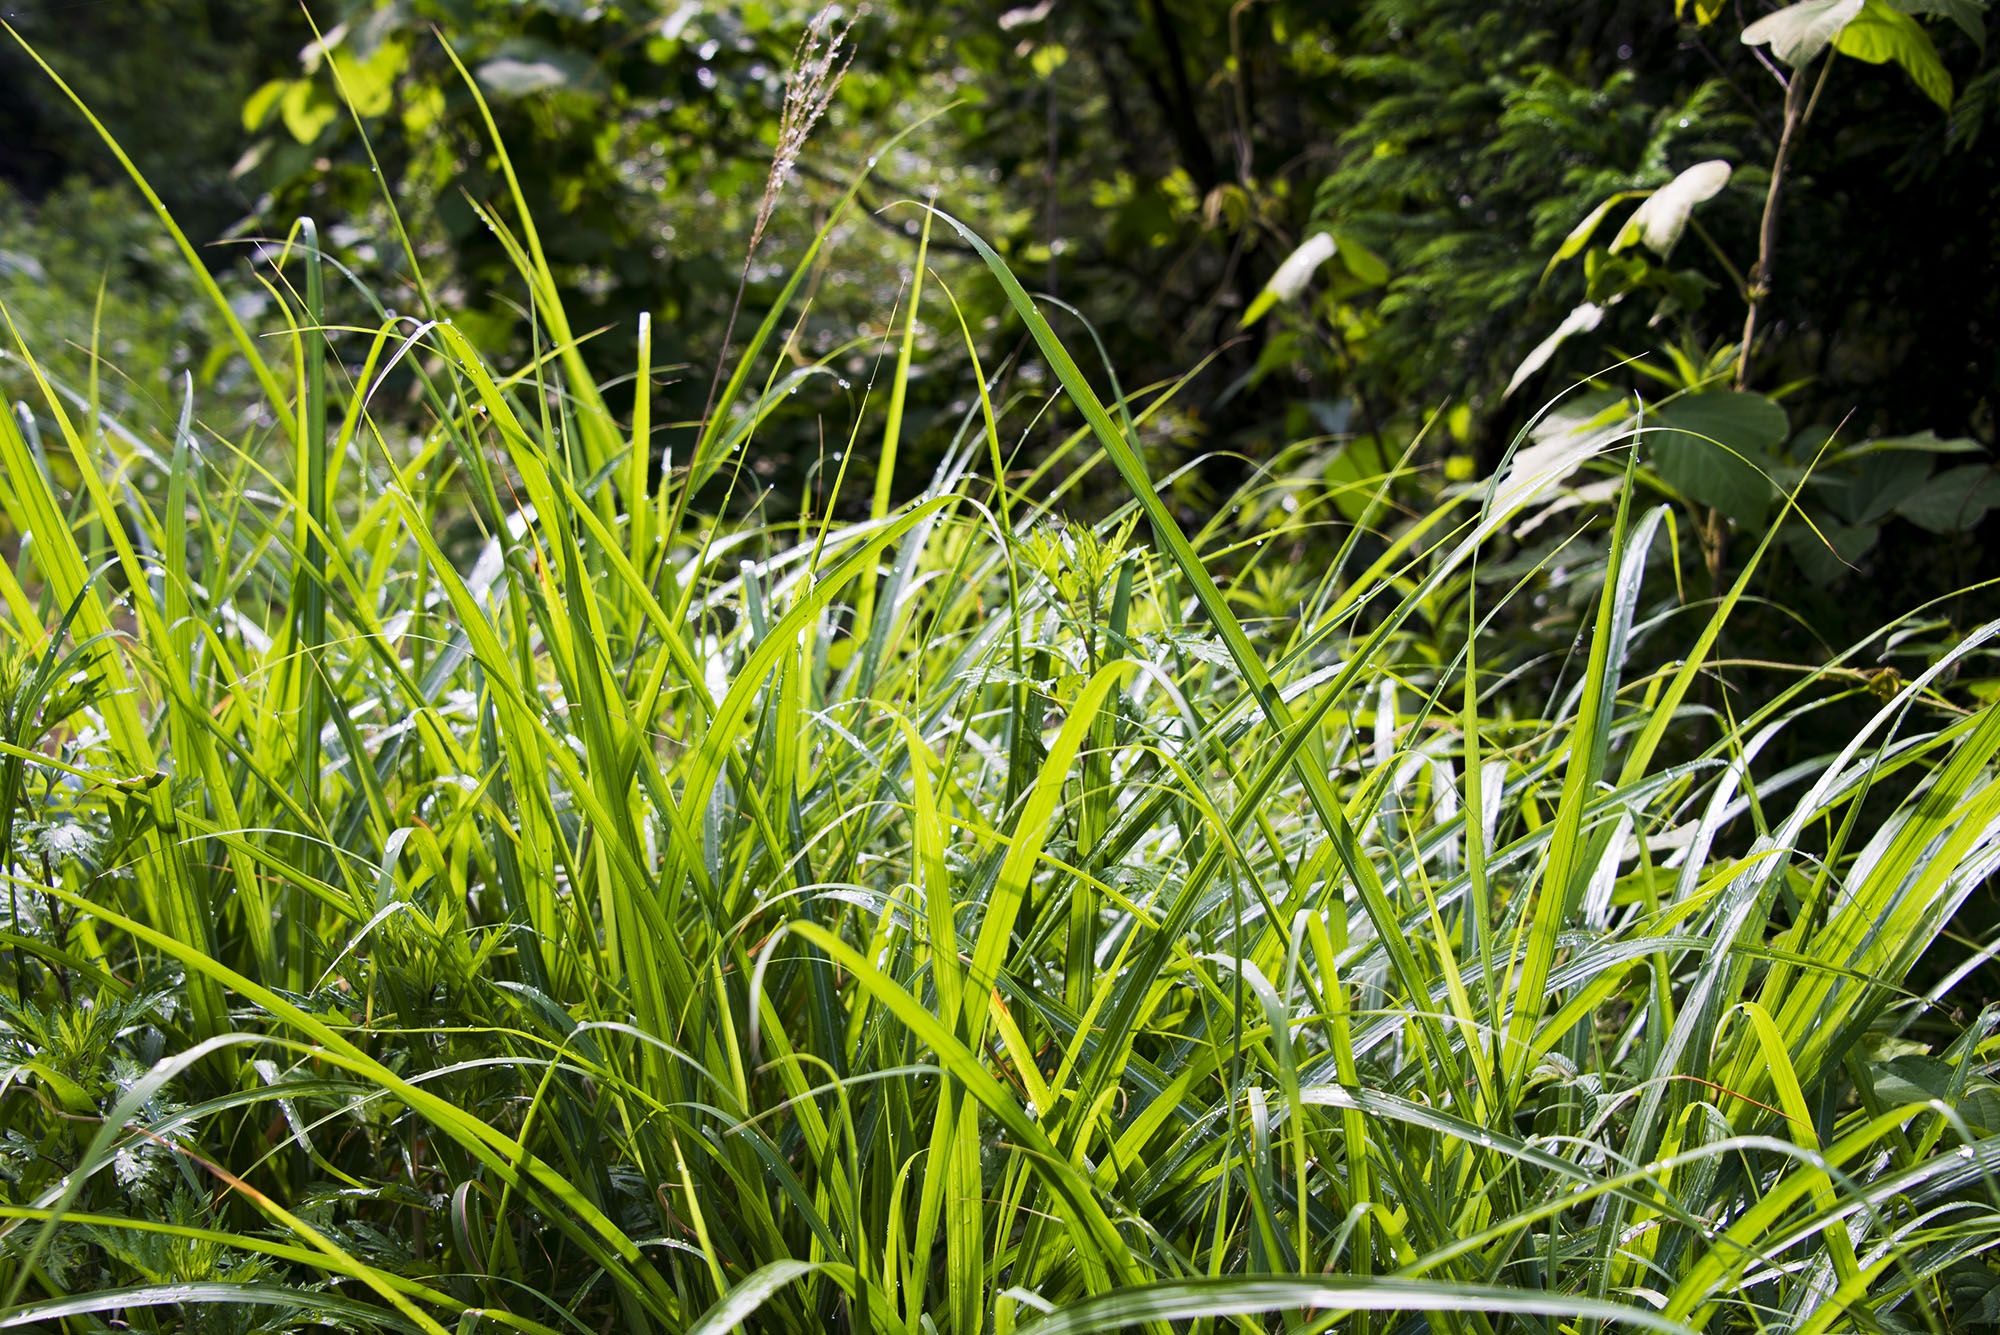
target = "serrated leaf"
x: 1975, y: 1295
x: 1660, y: 221
x: 1800, y: 32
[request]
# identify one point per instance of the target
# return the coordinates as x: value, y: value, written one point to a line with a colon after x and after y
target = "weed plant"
x: 953, y: 920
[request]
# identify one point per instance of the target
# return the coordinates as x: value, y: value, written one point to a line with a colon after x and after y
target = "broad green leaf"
x: 1660, y: 221
x: 1827, y: 549
x: 1969, y: 15
x: 1913, y: 1078
x: 1980, y: 1105
x: 369, y: 85
x: 1865, y: 489
x: 306, y: 110
x: 1800, y: 32
x: 1715, y: 449
x: 1955, y: 500
x: 257, y: 108
x: 1881, y: 33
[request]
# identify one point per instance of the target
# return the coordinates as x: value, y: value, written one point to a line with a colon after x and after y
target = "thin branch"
x: 1729, y: 80
x: 1767, y: 231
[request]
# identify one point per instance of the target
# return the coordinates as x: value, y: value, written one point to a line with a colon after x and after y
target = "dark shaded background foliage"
x: 1152, y: 163
x: 1461, y: 139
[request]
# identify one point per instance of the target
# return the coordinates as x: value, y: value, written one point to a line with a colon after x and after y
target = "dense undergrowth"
x: 957, y: 920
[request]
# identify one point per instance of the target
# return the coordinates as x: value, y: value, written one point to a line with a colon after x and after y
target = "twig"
x: 1797, y: 108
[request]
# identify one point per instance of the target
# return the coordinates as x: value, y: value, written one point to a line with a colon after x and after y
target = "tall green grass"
x: 958, y: 920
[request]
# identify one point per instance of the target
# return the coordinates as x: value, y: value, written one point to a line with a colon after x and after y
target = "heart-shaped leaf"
x: 1798, y: 33
x: 1967, y: 14
x: 1882, y: 33
x: 1715, y: 449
